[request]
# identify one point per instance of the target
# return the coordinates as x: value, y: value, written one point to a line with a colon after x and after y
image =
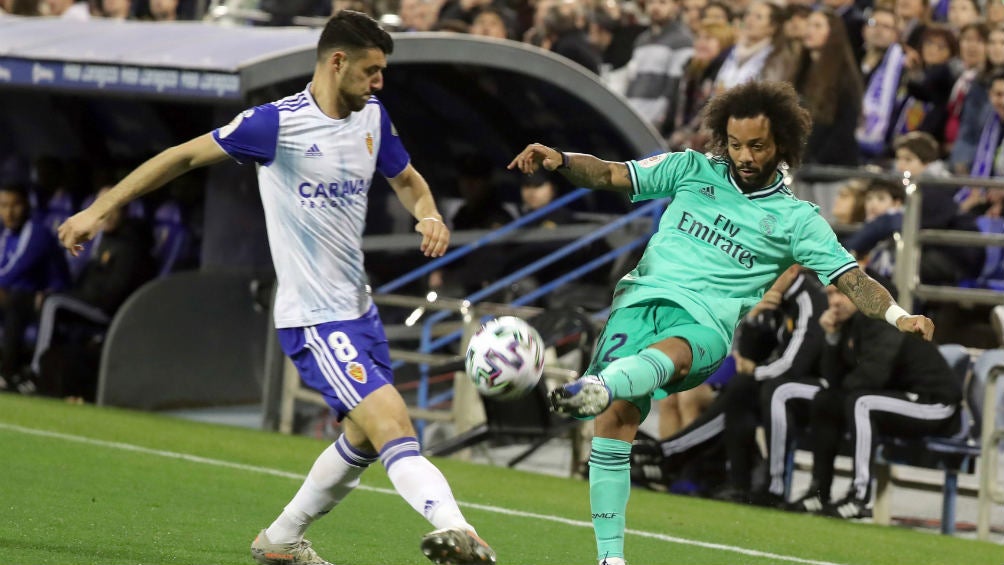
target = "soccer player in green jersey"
x: 731, y: 229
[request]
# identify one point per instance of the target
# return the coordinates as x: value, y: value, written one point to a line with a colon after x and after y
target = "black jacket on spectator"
x: 835, y: 144
x: 118, y: 266
x: 873, y: 355
x: 575, y: 46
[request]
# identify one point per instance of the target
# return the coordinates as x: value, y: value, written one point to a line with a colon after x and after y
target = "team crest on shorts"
x: 369, y: 142
x: 356, y: 371
x: 768, y: 224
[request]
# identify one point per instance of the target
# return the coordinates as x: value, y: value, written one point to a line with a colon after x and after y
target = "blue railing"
x: 428, y: 344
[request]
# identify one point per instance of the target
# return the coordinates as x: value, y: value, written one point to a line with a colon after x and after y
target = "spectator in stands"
x: 32, y: 265
x: 24, y: 8
x: 536, y: 34
x: 986, y: 160
x: 69, y: 9
x: 778, y: 341
x: 362, y: 6
x: 962, y: 13
x: 882, y: 68
x: 465, y: 10
x: 656, y: 67
x: 119, y: 263
x: 913, y: 16
x: 761, y: 51
x: 877, y: 382
x: 565, y: 30
x: 710, y: 49
x: 614, y: 39
x: 717, y: 12
x: 418, y: 15
x: 854, y: 22
x: 849, y: 206
x: 917, y: 152
x: 796, y: 19
x: 691, y: 14
x: 116, y: 9
x: 929, y: 84
x: 976, y: 108
x: 164, y: 10
x: 490, y: 22
x: 830, y: 85
x: 872, y: 244
x: 993, y: 12
x: 966, y: 119
x: 481, y: 209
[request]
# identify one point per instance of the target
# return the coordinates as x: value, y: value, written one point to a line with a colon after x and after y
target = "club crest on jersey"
x: 768, y: 224
x: 369, y: 142
x: 356, y: 371
x: 652, y: 161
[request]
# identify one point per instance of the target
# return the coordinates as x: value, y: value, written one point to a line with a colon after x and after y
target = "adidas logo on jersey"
x: 314, y: 151
x: 708, y: 191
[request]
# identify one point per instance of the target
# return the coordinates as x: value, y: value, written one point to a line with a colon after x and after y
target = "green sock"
x: 638, y: 375
x: 609, y: 488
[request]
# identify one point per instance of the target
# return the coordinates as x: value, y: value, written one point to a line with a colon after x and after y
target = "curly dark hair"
x: 790, y: 123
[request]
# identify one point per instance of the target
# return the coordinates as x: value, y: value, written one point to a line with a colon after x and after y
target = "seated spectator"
x: 490, y: 22
x: 849, y: 206
x: 985, y: 162
x: 717, y: 12
x: 614, y: 39
x: 962, y: 13
x: 779, y: 340
x: 710, y: 49
x: 363, y: 6
x: 656, y: 66
x: 33, y: 263
x: 418, y: 15
x: 929, y: 84
x: 115, y: 9
x: 466, y: 10
x: 760, y: 52
x: 882, y: 68
x: 69, y: 9
x: 118, y: 264
x: 883, y: 219
x: 163, y: 10
x: 917, y: 152
x: 993, y: 13
x: 565, y: 31
x: 969, y: 95
x: 874, y: 381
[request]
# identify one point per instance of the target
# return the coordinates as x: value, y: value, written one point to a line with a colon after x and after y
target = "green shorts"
x: 631, y: 329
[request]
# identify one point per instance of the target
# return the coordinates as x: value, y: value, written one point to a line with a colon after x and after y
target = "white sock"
x: 333, y: 476
x: 421, y: 484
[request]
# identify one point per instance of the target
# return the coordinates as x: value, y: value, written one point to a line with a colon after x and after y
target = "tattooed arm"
x: 874, y: 301
x: 579, y: 168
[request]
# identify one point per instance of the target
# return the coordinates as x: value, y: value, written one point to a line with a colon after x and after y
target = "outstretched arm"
x: 151, y: 175
x: 874, y: 301
x: 580, y: 169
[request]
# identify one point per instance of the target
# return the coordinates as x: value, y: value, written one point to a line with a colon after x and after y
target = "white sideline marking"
x: 484, y: 507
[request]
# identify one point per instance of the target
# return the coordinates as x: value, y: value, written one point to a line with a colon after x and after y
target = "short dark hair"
x: 17, y: 188
x: 352, y: 30
x: 790, y: 123
x: 895, y: 191
x: 921, y: 144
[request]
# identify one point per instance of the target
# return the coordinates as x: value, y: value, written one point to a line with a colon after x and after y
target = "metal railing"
x: 908, y: 246
x: 991, y: 439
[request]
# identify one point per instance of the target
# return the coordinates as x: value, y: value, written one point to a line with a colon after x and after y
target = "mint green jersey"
x: 717, y: 249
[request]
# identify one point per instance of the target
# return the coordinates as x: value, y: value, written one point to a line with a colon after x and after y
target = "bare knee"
x: 381, y: 417
x: 620, y: 421
x: 679, y: 352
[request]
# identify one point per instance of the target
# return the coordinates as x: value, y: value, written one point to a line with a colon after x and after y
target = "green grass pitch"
x: 86, y: 485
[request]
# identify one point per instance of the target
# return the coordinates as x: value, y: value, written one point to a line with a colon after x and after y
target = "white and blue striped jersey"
x: 314, y: 174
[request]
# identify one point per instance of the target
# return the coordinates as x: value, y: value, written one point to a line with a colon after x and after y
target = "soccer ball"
x: 505, y: 358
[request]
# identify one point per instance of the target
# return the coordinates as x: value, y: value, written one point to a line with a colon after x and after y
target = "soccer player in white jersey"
x: 316, y: 153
